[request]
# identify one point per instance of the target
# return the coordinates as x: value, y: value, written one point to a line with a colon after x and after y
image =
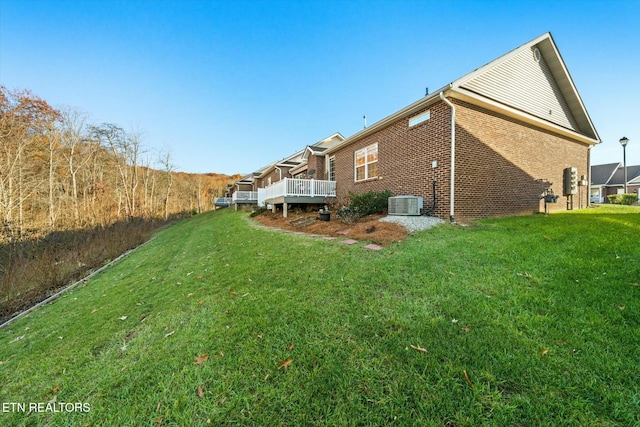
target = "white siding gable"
x: 527, y: 84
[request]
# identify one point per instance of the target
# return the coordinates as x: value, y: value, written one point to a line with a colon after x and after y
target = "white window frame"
x: 421, y: 118
x: 331, y: 168
x: 365, y: 153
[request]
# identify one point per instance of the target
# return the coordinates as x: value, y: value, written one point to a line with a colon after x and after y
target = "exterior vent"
x: 405, y: 205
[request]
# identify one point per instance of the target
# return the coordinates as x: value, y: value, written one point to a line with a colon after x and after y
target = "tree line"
x: 59, y: 171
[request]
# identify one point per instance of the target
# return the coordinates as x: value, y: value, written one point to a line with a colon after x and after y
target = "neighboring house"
x: 488, y: 140
x: 301, y: 178
x: 245, y: 190
x: 314, y: 163
x: 608, y: 179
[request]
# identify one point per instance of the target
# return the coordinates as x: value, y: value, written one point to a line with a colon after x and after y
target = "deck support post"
x: 284, y: 209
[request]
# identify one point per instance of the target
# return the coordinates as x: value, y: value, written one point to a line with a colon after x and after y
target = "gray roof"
x: 612, y: 174
x: 618, y: 177
x: 600, y: 174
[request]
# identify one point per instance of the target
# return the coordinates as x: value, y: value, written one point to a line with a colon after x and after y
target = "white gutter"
x: 453, y: 157
x: 475, y: 99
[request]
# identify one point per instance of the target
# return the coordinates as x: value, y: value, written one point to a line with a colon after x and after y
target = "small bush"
x: 347, y: 215
x: 363, y: 204
x: 623, y: 199
x: 369, y: 202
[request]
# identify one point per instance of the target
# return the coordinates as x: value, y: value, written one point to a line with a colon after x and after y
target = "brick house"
x: 488, y: 139
x: 300, y: 178
x: 608, y: 179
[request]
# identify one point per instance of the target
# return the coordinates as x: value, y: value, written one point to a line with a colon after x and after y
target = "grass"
x: 525, y: 321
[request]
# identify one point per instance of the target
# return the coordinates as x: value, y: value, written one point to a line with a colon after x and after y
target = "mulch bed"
x: 368, y: 228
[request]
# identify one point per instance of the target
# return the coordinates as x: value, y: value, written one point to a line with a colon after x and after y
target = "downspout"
x: 453, y: 157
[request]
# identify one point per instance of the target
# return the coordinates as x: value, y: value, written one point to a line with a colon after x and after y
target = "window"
x: 420, y: 118
x: 331, y: 169
x: 366, y: 163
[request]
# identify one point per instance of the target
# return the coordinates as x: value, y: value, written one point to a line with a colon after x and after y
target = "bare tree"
x: 53, y: 143
x: 24, y: 120
x: 57, y: 170
x: 132, y: 152
x: 165, y: 162
x: 76, y: 151
x: 115, y: 139
x: 147, y: 181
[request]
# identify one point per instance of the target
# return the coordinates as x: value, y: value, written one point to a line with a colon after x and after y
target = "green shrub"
x: 369, y: 202
x: 623, y: 199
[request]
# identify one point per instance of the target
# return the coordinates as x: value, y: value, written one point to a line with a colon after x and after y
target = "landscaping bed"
x: 368, y: 228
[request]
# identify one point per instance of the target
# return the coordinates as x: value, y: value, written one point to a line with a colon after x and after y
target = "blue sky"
x: 229, y: 86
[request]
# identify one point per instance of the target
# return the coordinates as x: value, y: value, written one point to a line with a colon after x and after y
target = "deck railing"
x: 292, y: 187
x: 222, y: 201
x: 245, y: 196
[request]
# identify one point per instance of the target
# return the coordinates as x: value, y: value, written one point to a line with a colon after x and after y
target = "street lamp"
x: 624, y: 141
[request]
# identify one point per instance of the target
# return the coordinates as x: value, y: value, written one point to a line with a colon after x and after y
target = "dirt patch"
x: 368, y: 228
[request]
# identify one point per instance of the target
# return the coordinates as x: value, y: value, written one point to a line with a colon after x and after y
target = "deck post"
x: 284, y: 209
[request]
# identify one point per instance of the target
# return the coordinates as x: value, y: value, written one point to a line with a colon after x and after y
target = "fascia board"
x: 575, y: 94
x: 555, y: 60
x: 634, y: 181
x: 337, y: 135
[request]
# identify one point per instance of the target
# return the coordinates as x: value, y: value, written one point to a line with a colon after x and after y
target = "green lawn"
x: 524, y: 321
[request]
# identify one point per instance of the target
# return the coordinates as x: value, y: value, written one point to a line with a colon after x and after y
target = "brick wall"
x: 274, y: 175
x: 501, y: 161
x: 285, y: 171
x: 498, y: 163
x: 316, y: 163
x: 405, y: 157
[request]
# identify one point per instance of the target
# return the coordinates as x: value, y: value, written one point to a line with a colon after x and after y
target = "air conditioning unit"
x: 405, y: 205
